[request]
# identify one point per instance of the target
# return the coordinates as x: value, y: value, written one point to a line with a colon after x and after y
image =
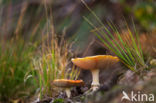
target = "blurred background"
x: 28, y: 18
x: 24, y: 24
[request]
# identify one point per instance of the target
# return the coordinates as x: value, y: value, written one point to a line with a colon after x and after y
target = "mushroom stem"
x: 68, y: 92
x: 95, y: 82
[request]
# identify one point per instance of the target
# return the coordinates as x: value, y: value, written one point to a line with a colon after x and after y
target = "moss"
x: 59, y: 100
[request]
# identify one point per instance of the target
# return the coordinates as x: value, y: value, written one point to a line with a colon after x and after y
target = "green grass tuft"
x: 128, y: 50
x: 15, y: 63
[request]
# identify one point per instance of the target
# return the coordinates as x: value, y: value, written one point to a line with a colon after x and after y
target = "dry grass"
x: 147, y: 42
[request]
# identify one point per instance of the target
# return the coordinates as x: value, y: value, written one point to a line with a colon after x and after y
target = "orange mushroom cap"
x: 95, y: 62
x: 67, y: 83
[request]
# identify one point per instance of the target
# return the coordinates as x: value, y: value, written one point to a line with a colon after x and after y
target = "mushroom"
x: 94, y: 64
x: 67, y: 84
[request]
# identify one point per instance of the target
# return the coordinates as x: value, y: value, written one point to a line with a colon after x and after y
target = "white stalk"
x: 95, y: 76
x: 68, y: 92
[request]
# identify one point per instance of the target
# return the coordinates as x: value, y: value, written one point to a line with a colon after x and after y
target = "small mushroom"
x: 94, y: 64
x: 67, y: 84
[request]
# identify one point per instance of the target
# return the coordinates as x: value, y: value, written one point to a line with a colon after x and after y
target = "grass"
x: 128, y: 50
x: 15, y: 63
x: 148, y: 44
x: 16, y: 52
x: 53, y: 62
x: 16, y: 56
